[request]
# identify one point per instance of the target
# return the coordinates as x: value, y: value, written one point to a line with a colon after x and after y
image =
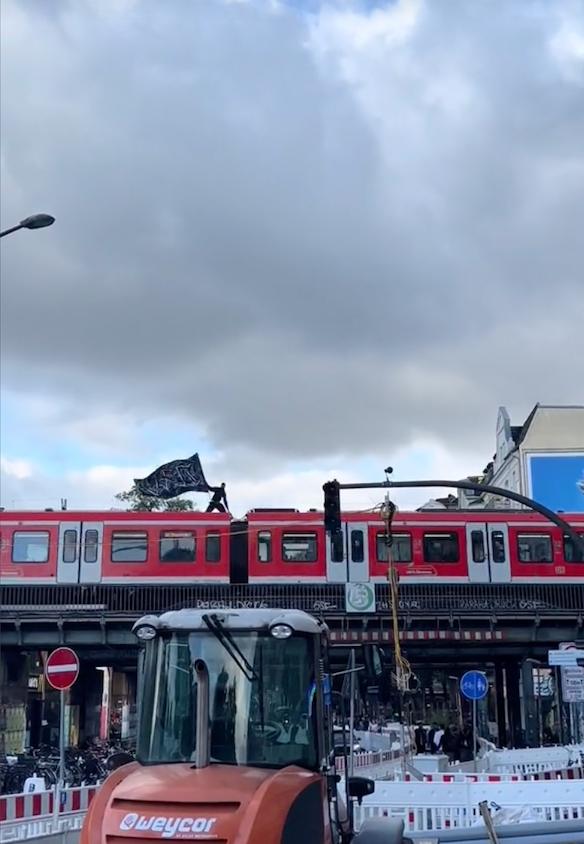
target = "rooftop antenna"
x: 63, y: 503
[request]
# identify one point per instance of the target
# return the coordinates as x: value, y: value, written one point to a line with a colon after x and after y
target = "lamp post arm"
x: 9, y: 231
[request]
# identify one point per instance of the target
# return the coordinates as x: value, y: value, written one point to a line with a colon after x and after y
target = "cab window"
x: 571, y: 555
x: 177, y: 546
x: 30, y: 546
x: 535, y: 548
x: 265, y: 546
x: 401, y: 548
x: 299, y: 547
x: 441, y: 547
x: 129, y: 546
x: 213, y: 548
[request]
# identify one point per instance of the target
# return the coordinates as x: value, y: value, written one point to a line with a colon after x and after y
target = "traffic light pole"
x: 333, y: 524
x: 332, y: 505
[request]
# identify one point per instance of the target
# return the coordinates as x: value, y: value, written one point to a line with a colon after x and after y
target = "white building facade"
x: 542, y: 459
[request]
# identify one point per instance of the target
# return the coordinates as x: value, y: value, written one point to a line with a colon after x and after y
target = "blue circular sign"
x: 474, y: 685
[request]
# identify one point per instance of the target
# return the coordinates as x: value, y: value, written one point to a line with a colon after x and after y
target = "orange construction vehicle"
x: 235, y: 738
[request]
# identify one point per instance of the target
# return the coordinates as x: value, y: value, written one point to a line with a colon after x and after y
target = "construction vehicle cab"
x: 235, y: 738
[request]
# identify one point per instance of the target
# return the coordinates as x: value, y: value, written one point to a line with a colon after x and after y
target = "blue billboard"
x: 557, y: 481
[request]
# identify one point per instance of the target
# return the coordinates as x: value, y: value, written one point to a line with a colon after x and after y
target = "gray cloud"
x: 302, y: 251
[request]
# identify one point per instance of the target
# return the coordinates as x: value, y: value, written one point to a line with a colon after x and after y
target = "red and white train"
x: 284, y: 546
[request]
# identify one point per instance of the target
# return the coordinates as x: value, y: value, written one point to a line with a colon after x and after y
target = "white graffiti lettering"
x: 167, y: 827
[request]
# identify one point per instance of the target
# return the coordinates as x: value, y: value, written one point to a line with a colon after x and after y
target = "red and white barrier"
x: 369, y: 760
x: 439, y: 777
x: 563, y: 774
x: 426, y: 806
x: 24, y: 807
x: 377, y: 764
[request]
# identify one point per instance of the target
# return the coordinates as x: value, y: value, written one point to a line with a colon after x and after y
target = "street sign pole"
x: 474, y: 735
x: 62, y: 739
x: 474, y: 686
x: 61, y: 672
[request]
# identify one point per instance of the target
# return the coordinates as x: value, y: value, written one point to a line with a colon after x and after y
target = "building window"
x: 569, y: 555
x: 177, y: 546
x: 477, y: 540
x: 357, y: 546
x: 498, y: 546
x: 30, y: 546
x: 299, y: 547
x: 90, y: 546
x: 265, y: 546
x: 129, y: 546
x: 213, y: 548
x: 401, y: 548
x: 441, y: 547
x: 69, y: 546
x: 534, y: 548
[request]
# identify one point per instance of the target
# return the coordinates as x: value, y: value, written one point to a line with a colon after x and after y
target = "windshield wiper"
x: 232, y: 648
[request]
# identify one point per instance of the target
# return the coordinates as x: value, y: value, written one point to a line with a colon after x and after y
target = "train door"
x: 477, y: 551
x: 336, y: 559
x: 80, y: 552
x: 347, y: 555
x: 357, y: 545
x: 499, y: 553
x: 488, y: 553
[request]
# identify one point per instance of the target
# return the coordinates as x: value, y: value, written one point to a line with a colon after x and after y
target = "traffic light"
x: 332, y: 507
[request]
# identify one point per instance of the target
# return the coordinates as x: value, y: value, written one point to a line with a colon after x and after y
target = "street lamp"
x: 37, y: 221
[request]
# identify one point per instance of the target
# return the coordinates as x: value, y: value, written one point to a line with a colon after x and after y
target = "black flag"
x: 174, y: 478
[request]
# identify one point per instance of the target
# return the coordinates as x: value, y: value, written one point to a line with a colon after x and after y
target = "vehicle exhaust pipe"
x: 203, y: 732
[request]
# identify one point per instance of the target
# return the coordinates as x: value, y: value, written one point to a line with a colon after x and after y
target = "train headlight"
x: 281, y: 631
x: 146, y: 632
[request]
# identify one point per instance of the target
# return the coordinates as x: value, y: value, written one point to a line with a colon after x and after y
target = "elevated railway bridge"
x: 501, y: 628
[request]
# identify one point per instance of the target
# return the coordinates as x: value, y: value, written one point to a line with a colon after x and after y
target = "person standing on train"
x: 219, y: 500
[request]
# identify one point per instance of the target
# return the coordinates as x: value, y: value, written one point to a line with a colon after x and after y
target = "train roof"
x: 278, y: 516
x: 113, y: 514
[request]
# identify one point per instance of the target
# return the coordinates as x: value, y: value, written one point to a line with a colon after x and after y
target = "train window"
x: 90, y: 546
x: 441, y: 547
x: 401, y: 548
x: 265, y: 546
x: 498, y: 546
x: 534, y: 548
x: 177, y: 546
x: 477, y: 540
x: 30, y: 546
x: 213, y: 548
x: 129, y: 546
x: 69, y: 554
x: 337, y: 548
x: 357, y: 546
x: 299, y: 547
x: 569, y: 555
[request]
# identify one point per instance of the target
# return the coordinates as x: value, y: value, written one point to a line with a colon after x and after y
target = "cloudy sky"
x: 306, y: 239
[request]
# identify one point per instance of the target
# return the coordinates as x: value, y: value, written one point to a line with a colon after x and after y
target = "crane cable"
x: 403, y: 671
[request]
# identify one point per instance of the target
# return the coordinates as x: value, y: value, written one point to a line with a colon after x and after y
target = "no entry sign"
x: 62, y: 668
